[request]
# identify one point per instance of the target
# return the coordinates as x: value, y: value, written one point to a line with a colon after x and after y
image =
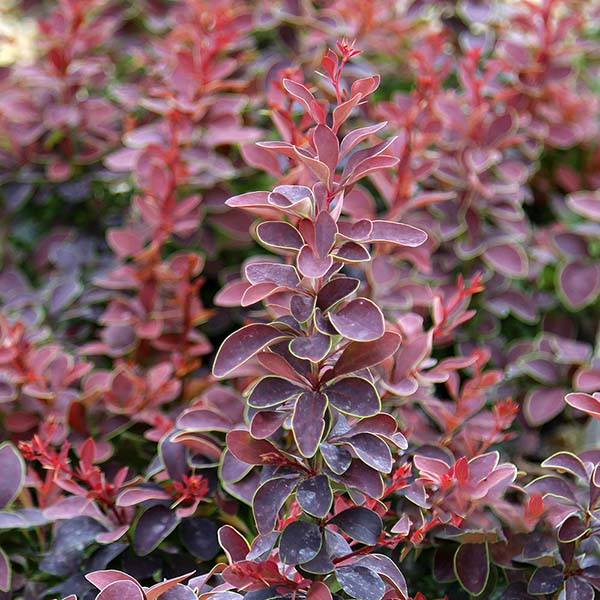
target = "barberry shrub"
x: 285, y: 315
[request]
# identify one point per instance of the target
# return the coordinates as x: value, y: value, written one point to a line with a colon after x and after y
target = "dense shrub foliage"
x: 300, y: 300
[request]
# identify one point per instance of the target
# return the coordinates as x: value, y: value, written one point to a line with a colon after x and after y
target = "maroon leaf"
x: 308, y: 423
x: 360, y: 320
x: 242, y: 345
x: 354, y: 396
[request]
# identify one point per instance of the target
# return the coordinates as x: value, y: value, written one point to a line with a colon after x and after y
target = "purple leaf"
x: 312, y: 265
x: 153, y: 526
x: 545, y: 580
x: 360, y: 320
x: 507, y: 259
x: 372, y: 451
x: 577, y: 588
x: 356, y: 136
x: 300, y: 542
x: 472, y: 567
x: 253, y: 452
x: 278, y: 234
x: 268, y: 500
x: 272, y: 272
x: 357, y: 355
x: 335, y: 290
x: 199, y: 536
x: 571, y: 530
x: 397, y: 233
x: 102, y: 579
x: 585, y: 403
x: 202, y: 419
x: 354, y: 396
x: 266, y: 422
x: 327, y: 146
x: 387, y: 570
x: 579, y: 284
x: 360, y: 583
x: 242, y: 345
x: 313, y: 348
x: 137, y: 495
x: 585, y: 203
x: 302, y: 307
x: 338, y: 459
x: 308, y: 423
x: 543, y: 404
x: 12, y: 467
x: 361, y: 524
x: 565, y: 461
x: 233, y: 542
x: 363, y: 478
x: 5, y: 572
x: 351, y: 252
x: 121, y: 590
x: 314, y: 496
x: 272, y: 391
